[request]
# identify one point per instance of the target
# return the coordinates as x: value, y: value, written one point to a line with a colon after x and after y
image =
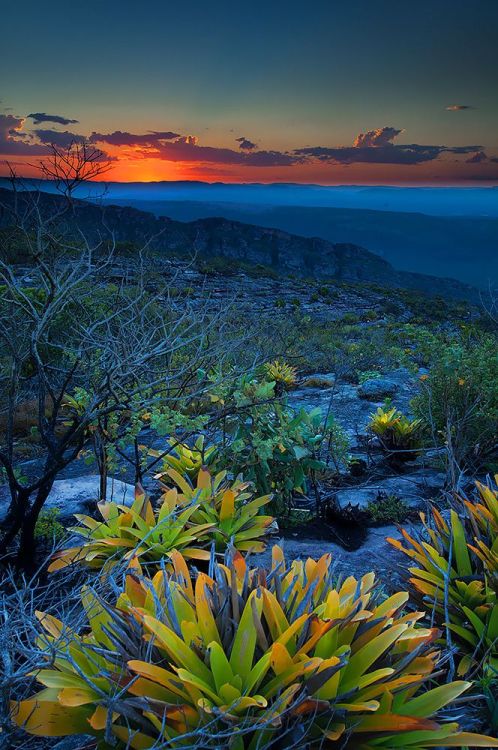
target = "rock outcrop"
x: 308, y: 257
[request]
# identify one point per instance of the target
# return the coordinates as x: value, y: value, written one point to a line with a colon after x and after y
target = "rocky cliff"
x: 218, y: 237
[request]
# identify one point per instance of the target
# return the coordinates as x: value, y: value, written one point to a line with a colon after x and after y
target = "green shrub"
x: 350, y: 318
x: 368, y: 375
x: 458, y: 400
x: 276, y: 448
x: 397, y: 434
x: 48, y: 526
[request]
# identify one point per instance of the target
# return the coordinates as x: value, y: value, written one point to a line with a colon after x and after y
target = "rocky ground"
x: 415, y: 483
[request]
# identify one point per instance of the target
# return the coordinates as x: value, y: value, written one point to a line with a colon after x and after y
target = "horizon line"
x: 403, y: 186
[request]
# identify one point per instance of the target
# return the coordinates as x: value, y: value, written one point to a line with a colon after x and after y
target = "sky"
x: 330, y: 91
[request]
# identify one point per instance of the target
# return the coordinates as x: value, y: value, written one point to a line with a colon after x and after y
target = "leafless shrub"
x: 142, y: 348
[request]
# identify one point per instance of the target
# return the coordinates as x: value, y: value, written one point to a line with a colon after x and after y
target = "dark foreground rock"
x: 376, y: 554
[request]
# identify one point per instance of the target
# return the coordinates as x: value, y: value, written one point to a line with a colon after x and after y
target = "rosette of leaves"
x: 396, y: 432
x: 282, y: 374
x: 140, y: 530
x: 455, y: 574
x: 230, y: 508
x: 185, y: 459
x: 245, y: 659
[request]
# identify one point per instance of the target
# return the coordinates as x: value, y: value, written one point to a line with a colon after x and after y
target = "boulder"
x: 376, y: 554
x: 414, y: 489
x: 359, y: 496
x: 377, y: 389
x: 78, y: 494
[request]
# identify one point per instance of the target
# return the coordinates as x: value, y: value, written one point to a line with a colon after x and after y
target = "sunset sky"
x: 330, y: 91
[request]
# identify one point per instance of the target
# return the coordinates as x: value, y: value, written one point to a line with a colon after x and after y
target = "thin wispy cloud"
x: 123, y: 138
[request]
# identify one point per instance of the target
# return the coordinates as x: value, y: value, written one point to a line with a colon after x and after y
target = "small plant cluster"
x: 189, y: 518
x: 282, y: 374
x: 48, y: 528
x: 244, y: 659
x: 396, y: 432
x: 185, y: 459
x: 455, y: 578
x: 277, y: 448
x: 387, y: 509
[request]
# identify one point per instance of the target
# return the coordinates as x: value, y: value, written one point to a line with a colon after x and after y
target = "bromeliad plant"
x: 245, y: 659
x: 282, y: 374
x: 228, y: 507
x: 456, y: 574
x: 186, y: 460
x: 396, y: 432
x: 139, y: 530
x: 189, y: 518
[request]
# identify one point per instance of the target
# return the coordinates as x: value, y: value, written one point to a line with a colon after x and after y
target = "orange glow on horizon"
x: 128, y: 167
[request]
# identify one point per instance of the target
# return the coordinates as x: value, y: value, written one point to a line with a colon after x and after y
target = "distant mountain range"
x: 434, y: 201
x: 441, y: 231
x: 220, y: 237
x: 463, y: 247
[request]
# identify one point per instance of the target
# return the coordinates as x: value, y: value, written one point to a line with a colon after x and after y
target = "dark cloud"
x: 186, y: 148
x: 458, y: 107
x: 120, y: 138
x: 481, y: 157
x: 13, y: 141
x: 245, y: 144
x: 483, y: 177
x: 377, y: 147
x: 271, y: 159
x: 63, y: 139
x: 477, y: 158
x: 39, y: 117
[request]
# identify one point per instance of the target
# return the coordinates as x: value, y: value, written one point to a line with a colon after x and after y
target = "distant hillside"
x: 469, y: 201
x: 284, y: 252
x: 465, y: 247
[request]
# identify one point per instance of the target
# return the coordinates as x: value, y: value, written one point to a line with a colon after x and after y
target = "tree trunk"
x: 27, y: 544
x: 15, y: 515
x: 138, y: 464
x: 102, y: 463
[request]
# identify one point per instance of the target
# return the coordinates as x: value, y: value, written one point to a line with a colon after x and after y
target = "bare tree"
x: 78, y: 349
x: 68, y: 168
